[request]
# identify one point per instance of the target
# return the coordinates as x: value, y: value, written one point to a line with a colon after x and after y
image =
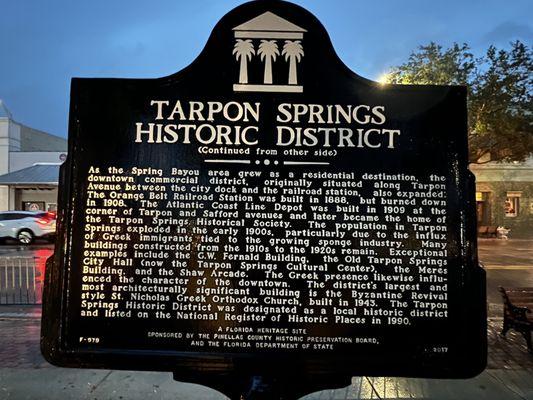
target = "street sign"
x: 266, y: 211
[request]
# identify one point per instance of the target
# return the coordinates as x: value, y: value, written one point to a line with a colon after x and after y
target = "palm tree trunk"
x: 293, y: 80
x: 243, y: 72
x: 268, y: 71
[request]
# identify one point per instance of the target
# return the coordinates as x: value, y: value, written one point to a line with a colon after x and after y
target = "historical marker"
x: 267, y: 212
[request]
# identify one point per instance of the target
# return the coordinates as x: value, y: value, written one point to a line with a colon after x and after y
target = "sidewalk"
x: 24, y: 374
x: 66, y: 384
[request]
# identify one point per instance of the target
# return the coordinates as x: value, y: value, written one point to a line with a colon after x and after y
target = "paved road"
x: 515, y: 253
x: 507, y: 263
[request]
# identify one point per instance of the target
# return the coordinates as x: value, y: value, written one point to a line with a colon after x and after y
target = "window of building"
x: 483, y: 208
x: 33, y: 205
x: 512, y: 204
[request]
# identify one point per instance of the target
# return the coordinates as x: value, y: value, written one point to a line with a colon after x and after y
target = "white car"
x: 25, y: 226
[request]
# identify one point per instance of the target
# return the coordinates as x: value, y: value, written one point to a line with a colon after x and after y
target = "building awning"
x: 38, y: 174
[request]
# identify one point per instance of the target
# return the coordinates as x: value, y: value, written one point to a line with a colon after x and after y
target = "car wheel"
x: 25, y: 237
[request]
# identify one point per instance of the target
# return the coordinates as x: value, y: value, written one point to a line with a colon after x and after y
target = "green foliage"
x: 500, y: 100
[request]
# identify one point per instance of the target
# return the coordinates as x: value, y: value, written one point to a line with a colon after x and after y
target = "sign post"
x: 266, y: 213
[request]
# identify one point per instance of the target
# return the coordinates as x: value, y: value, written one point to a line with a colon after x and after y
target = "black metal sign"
x: 266, y: 211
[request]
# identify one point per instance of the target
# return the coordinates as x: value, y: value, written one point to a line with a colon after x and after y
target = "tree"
x: 243, y: 50
x: 293, y: 51
x: 268, y: 50
x: 500, y: 98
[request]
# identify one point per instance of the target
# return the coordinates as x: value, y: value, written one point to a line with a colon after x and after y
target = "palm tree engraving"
x: 243, y: 50
x: 293, y: 51
x: 268, y: 50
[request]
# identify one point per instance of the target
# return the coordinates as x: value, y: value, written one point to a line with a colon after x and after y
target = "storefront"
x: 33, y: 188
x: 504, y: 196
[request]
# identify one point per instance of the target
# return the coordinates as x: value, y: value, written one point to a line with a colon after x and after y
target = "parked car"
x: 25, y: 226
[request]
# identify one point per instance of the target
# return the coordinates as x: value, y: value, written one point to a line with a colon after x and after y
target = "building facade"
x: 29, y: 165
x: 504, y: 196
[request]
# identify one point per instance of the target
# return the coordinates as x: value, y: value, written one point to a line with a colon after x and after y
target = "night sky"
x: 43, y: 44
